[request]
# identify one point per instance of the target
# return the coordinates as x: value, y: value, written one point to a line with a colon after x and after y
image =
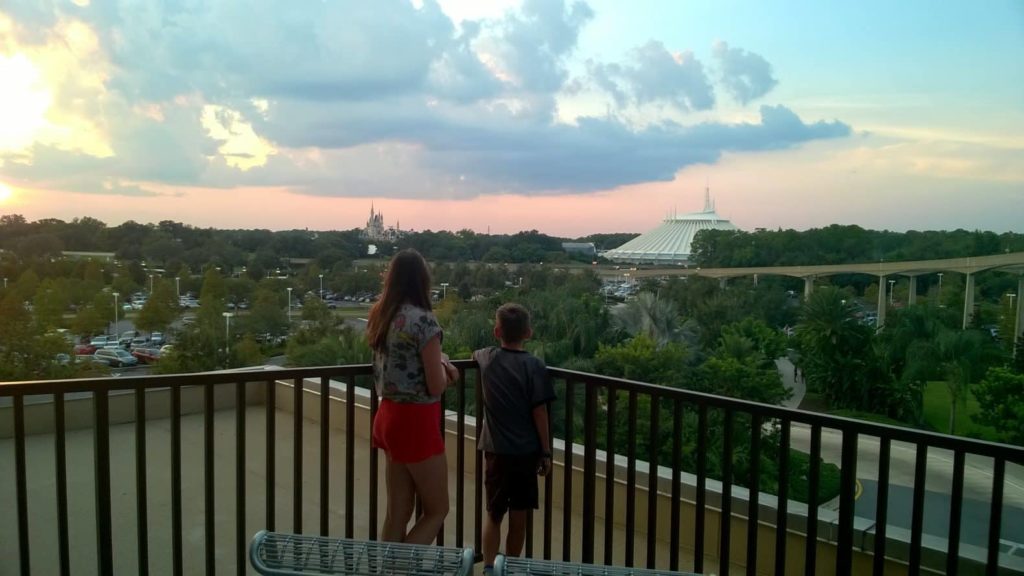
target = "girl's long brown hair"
x: 407, y: 281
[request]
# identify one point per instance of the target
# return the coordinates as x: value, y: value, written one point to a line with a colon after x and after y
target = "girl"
x: 410, y: 374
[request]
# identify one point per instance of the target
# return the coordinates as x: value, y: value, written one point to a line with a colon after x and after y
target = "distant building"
x: 375, y: 229
x: 671, y: 243
x: 585, y: 248
x: 78, y: 255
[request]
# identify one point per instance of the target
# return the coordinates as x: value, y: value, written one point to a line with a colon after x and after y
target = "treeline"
x: 173, y: 245
x: 838, y: 244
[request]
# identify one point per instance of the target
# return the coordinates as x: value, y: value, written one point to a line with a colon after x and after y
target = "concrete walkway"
x: 798, y: 387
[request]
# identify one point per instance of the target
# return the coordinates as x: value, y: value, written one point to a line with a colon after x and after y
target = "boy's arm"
x: 540, y: 420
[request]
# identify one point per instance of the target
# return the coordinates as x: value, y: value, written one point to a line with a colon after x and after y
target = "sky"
x: 567, y: 117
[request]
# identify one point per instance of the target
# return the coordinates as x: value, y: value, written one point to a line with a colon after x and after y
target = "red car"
x: 84, y: 349
x: 146, y: 355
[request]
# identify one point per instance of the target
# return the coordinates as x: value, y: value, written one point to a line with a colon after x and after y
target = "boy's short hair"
x: 514, y: 320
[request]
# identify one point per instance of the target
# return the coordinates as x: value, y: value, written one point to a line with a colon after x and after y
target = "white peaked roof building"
x: 670, y: 242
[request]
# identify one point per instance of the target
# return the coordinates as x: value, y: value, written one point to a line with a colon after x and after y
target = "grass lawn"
x: 936, y: 413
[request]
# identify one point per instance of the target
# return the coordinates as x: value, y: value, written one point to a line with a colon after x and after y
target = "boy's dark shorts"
x: 511, y: 483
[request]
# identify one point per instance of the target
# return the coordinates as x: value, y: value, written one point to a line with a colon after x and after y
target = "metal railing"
x: 599, y: 422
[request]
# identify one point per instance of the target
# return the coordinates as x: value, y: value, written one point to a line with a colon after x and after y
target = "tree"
x: 160, y: 309
x: 961, y: 356
x: 268, y: 314
x: 835, y: 350
x: 49, y: 304
x: 1000, y: 397
x: 650, y: 317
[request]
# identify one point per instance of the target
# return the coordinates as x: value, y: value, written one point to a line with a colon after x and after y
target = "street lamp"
x: 1011, y: 296
x: 115, y: 312
x: 891, y: 283
x: 444, y: 290
x: 150, y: 284
x: 940, y: 289
x: 177, y: 287
x: 289, y: 304
x: 321, y: 286
x: 227, y: 332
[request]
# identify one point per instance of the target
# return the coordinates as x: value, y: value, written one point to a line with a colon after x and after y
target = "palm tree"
x: 655, y: 318
x: 835, y: 350
x: 961, y: 356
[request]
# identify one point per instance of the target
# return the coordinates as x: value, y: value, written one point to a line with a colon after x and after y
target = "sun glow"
x: 23, y: 102
x: 5, y: 193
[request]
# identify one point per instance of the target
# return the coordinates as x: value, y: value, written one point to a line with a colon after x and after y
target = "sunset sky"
x: 566, y: 117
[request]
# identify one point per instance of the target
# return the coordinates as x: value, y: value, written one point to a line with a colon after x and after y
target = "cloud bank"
x: 377, y: 99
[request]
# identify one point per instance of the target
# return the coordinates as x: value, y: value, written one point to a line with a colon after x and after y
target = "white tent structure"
x: 670, y: 243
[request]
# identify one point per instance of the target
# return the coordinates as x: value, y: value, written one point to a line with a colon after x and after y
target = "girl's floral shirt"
x: 398, y: 370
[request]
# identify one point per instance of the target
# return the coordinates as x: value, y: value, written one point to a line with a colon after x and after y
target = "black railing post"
x: 754, y: 487
x: 782, y: 511
x: 813, y: 483
x: 995, y: 517
x: 589, y: 471
x: 176, y: 528
x: 956, y: 501
x: 677, y: 464
x: 208, y: 479
x: 881, y: 508
x: 101, y: 438
x: 141, y: 504
x: 325, y: 443
x: 460, y: 461
x: 725, y: 521
x: 240, y: 458
x: 374, y: 466
x: 350, y: 457
x: 271, y: 453
x: 847, y: 488
x: 567, y: 473
x: 297, y: 421
x: 609, y: 478
x: 631, y: 409
x: 702, y: 478
x: 653, y: 445
x: 22, y: 485
x: 60, y: 453
x: 917, y: 512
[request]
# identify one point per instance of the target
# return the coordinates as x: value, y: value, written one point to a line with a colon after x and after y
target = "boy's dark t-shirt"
x: 514, y: 383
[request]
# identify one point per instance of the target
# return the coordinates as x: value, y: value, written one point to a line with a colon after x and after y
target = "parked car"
x: 146, y: 355
x: 139, y: 342
x: 127, y: 336
x: 156, y: 339
x: 85, y: 349
x: 115, y: 357
x: 104, y: 341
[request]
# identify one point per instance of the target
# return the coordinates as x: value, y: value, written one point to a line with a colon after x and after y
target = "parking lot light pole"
x: 150, y: 284
x: 177, y: 287
x: 289, y: 304
x: 891, y: 283
x: 227, y: 333
x: 321, y: 286
x: 444, y: 290
x: 115, y: 313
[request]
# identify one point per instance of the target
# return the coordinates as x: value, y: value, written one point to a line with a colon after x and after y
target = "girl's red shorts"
x: 408, y: 432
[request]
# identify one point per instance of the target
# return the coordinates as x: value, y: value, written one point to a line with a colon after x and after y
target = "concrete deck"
x: 43, y: 509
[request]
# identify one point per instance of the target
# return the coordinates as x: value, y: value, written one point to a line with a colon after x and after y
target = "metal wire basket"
x: 504, y: 565
x: 271, y: 553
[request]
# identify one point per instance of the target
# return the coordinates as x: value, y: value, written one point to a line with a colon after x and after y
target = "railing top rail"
x: 896, y: 433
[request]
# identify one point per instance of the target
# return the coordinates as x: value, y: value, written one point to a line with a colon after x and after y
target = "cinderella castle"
x: 375, y: 229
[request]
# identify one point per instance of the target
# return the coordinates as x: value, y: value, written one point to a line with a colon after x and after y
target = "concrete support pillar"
x: 968, y: 300
x: 883, y: 304
x: 722, y: 283
x: 808, y: 286
x: 912, y: 291
x: 1018, y: 325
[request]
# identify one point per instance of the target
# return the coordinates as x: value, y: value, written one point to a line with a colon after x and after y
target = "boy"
x: 514, y: 439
